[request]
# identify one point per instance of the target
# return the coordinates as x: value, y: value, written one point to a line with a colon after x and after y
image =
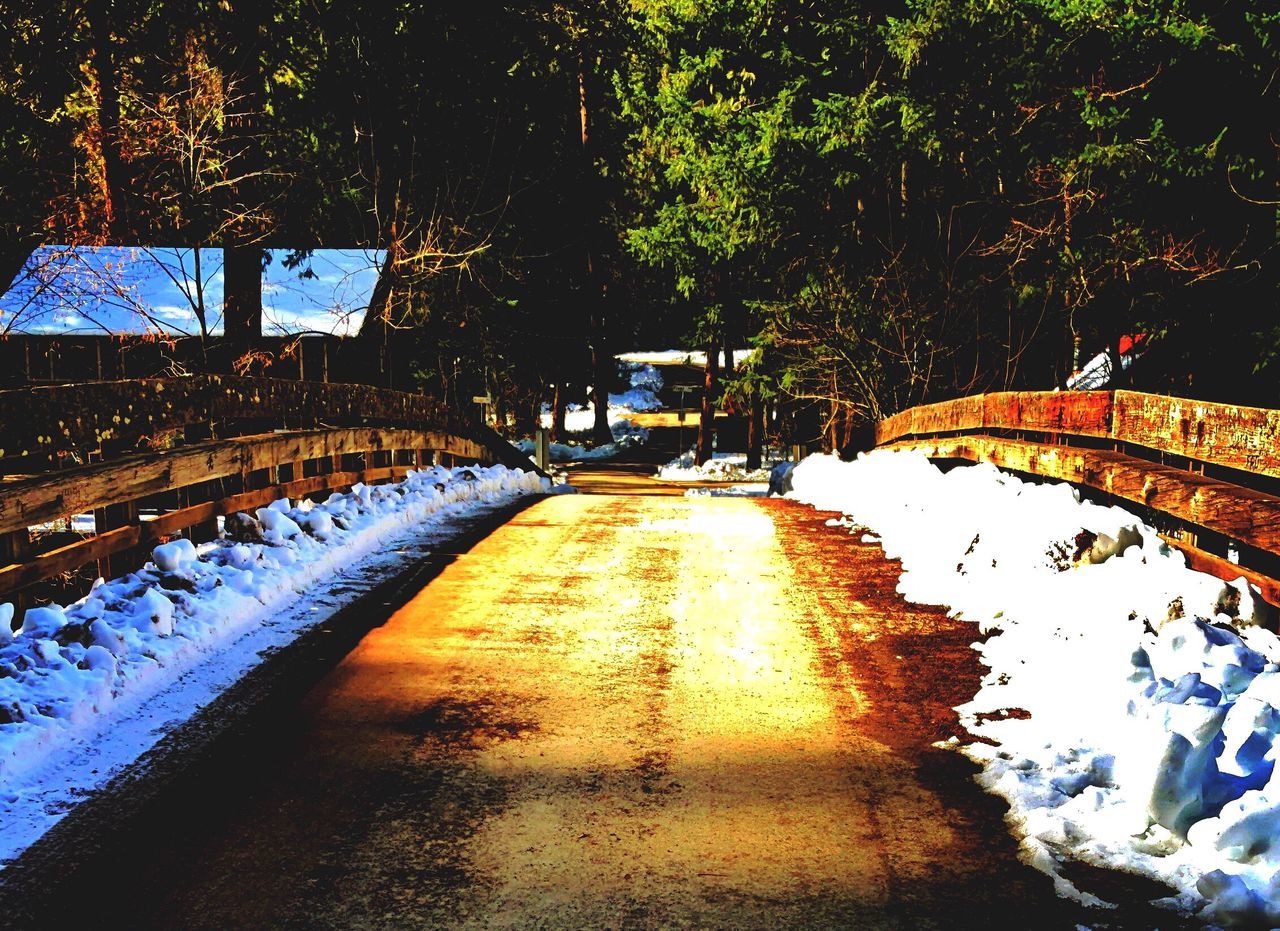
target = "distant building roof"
x: 682, y: 357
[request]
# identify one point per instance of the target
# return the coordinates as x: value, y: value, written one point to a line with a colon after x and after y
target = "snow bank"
x: 625, y: 435
x: 746, y: 490
x: 1154, y: 702
x: 646, y: 382
x: 67, y: 668
x: 721, y: 467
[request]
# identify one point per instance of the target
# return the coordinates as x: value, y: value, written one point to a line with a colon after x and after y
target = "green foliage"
x: 893, y: 208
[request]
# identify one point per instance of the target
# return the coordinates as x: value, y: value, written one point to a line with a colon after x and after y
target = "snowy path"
x: 615, y: 711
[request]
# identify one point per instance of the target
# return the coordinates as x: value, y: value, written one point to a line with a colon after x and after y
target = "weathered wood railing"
x: 151, y: 458
x: 1211, y: 470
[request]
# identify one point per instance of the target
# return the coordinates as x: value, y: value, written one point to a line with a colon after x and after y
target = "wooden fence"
x: 1209, y: 473
x: 150, y: 458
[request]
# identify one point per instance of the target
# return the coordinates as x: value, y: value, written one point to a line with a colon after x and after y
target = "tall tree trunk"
x: 101, y: 14
x: 558, y: 403
x: 755, y: 430
x: 831, y: 436
x: 242, y: 259
x: 596, y: 292
x: 241, y: 297
x: 706, y: 423
x: 375, y: 328
x: 847, y: 430
x: 528, y: 412
x: 731, y: 403
x: 730, y: 326
x: 377, y: 318
x: 13, y: 259
x: 601, y: 379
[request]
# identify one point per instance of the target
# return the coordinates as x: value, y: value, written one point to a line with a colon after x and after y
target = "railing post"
x: 14, y: 548
x: 113, y: 517
x: 542, y: 448
x: 295, y: 471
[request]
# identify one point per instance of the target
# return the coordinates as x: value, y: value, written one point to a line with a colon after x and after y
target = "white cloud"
x: 174, y: 312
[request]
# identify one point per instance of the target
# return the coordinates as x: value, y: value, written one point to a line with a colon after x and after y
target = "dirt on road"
x: 618, y: 710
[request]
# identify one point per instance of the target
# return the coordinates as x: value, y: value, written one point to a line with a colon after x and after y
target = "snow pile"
x: 646, y: 382
x: 721, y: 467
x: 746, y: 490
x: 1153, y: 701
x: 67, y: 668
x: 625, y: 435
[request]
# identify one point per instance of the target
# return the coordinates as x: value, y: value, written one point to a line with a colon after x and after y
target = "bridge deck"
x: 617, y: 710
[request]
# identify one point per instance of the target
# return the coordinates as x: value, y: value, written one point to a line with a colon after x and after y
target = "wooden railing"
x: 1207, y: 472
x: 150, y: 458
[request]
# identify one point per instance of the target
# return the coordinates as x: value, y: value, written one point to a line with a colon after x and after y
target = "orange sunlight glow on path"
x: 662, y: 707
x: 622, y: 710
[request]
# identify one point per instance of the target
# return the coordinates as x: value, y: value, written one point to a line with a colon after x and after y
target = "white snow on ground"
x: 625, y: 435
x: 642, y: 395
x: 746, y: 490
x: 1154, y: 704
x: 71, y: 679
x: 722, y: 467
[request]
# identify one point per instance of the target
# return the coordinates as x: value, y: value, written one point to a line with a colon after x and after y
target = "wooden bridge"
x: 154, y: 457
x: 1207, y: 474
x: 710, y: 711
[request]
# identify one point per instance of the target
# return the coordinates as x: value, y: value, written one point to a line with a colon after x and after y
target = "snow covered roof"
x: 682, y: 357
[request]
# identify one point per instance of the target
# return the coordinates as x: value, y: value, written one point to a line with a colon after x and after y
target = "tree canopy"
x: 894, y: 202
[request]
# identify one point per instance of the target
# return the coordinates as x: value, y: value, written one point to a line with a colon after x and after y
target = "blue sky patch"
x: 113, y: 289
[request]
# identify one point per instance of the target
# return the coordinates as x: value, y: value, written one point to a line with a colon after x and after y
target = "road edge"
x: 34, y: 880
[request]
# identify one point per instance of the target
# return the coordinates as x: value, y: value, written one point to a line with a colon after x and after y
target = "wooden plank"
x: 945, y: 416
x: 893, y: 428
x: 173, y: 521
x: 114, y: 517
x: 1240, y: 513
x: 45, y: 421
x: 30, y: 501
x: 480, y: 443
x: 14, y: 548
x: 1246, y: 438
x: 1226, y: 570
x: 1082, y: 413
x: 69, y: 557
x: 104, y: 546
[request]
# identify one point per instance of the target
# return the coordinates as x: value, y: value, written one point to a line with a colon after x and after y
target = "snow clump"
x: 67, y: 669
x: 1153, y: 693
x: 721, y: 467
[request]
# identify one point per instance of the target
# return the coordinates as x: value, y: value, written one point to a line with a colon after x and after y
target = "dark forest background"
x: 895, y: 202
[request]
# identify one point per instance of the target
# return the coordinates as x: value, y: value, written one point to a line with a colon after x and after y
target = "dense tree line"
x: 893, y: 202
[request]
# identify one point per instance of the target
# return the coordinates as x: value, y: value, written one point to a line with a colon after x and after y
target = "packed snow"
x: 721, y: 467
x: 745, y: 490
x: 69, y: 673
x: 642, y: 394
x: 625, y: 435
x: 1153, y: 695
